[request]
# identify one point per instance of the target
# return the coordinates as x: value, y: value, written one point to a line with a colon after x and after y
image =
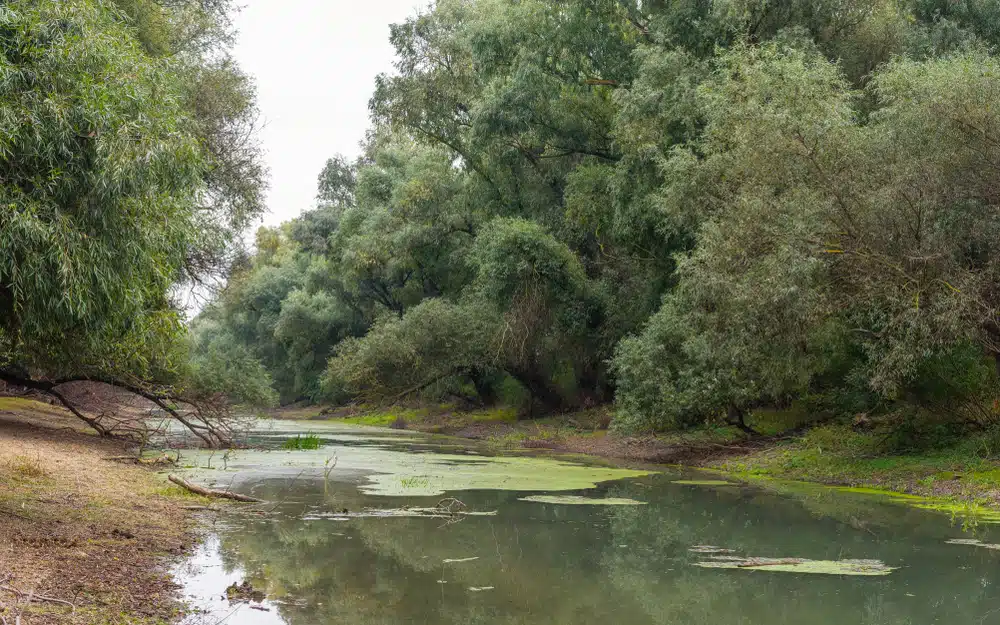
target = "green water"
x: 539, y: 562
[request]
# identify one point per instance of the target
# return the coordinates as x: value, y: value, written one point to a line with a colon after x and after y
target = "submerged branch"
x: 208, y: 492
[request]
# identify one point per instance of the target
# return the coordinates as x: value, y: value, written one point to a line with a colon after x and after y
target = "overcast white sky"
x: 315, y: 63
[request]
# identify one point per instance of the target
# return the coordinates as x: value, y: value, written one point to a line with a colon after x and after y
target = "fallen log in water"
x: 208, y: 492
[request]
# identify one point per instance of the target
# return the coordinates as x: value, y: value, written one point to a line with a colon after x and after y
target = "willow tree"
x: 103, y: 202
x: 846, y: 252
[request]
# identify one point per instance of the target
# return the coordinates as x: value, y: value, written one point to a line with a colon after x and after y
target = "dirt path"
x: 78, y: 527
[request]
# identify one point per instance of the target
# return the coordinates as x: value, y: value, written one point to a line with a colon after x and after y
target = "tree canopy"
x: 127, y: 174
x: 693, y: 209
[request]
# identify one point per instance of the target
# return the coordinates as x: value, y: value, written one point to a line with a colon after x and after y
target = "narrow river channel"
x: 379, y: 527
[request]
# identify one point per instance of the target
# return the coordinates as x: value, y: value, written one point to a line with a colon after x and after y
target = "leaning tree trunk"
x: 211, y: 435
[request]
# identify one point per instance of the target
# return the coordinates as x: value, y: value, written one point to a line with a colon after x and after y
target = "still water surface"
x: 545, y: 563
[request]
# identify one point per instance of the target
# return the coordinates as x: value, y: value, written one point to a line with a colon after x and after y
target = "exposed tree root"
x: 30, y: 597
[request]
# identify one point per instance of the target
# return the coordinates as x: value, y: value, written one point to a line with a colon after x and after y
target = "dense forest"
x: 693, y: 209
x: 690, y: 208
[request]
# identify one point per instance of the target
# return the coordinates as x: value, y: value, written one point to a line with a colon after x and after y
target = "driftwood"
x: 208, y: 492
x: 32, y: 597
x: 161, y: 459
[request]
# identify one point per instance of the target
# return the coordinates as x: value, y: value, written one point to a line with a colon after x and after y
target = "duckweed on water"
x: 388, y: 472
x: 577, y: 500
x: 446, y: 473
x: 799, y: 565
x: 973, y: 542
x: 709, y: 549
x: 394, y: 513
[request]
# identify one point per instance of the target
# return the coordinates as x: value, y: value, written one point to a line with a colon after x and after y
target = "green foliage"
x: 220, y: 365
x: 433, y: 341
x: 701, y: 208
x: 308, y: 441
x: 100, y: 192
x: 838, y: 281
x: 123, y: 184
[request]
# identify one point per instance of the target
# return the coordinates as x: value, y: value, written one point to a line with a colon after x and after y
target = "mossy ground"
x: 78, y: 526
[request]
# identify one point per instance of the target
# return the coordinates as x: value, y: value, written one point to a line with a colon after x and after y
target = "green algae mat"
x: 380, y: 469
x: 359, y: 532
x: 798, y: 565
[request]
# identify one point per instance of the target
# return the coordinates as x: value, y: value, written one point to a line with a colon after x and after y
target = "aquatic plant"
x: 417, y: 481
x: 308, y: 441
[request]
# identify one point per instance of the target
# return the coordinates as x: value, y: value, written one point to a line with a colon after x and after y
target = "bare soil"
x: 79, y: 527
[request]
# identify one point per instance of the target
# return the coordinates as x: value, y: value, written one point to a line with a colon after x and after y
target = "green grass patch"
x: 491, y: 415
x: 14, y: 404
x: 839, y: 455
x: 442, y: 415
x: 306, y: 441
x: 176, y: 492
x: 386, y: 418
x: 509, y: 440
x: 27, y: 407
x: 27, y: 468
x: 375, y: 419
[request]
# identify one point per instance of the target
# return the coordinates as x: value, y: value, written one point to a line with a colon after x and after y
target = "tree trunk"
x: 212, y: 436
x: 49, y: 389
x: 487, y: 394
x: 735, y: 415
x: 542, y: 395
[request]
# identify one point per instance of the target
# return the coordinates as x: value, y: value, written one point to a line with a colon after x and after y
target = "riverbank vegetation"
x: 698, y: 211
x: 756, y: 235
x: 959, y: 471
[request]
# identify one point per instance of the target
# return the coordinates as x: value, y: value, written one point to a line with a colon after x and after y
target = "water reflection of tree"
x: 581, y: 565
x: 670, y: 590
x: 545, y: 567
